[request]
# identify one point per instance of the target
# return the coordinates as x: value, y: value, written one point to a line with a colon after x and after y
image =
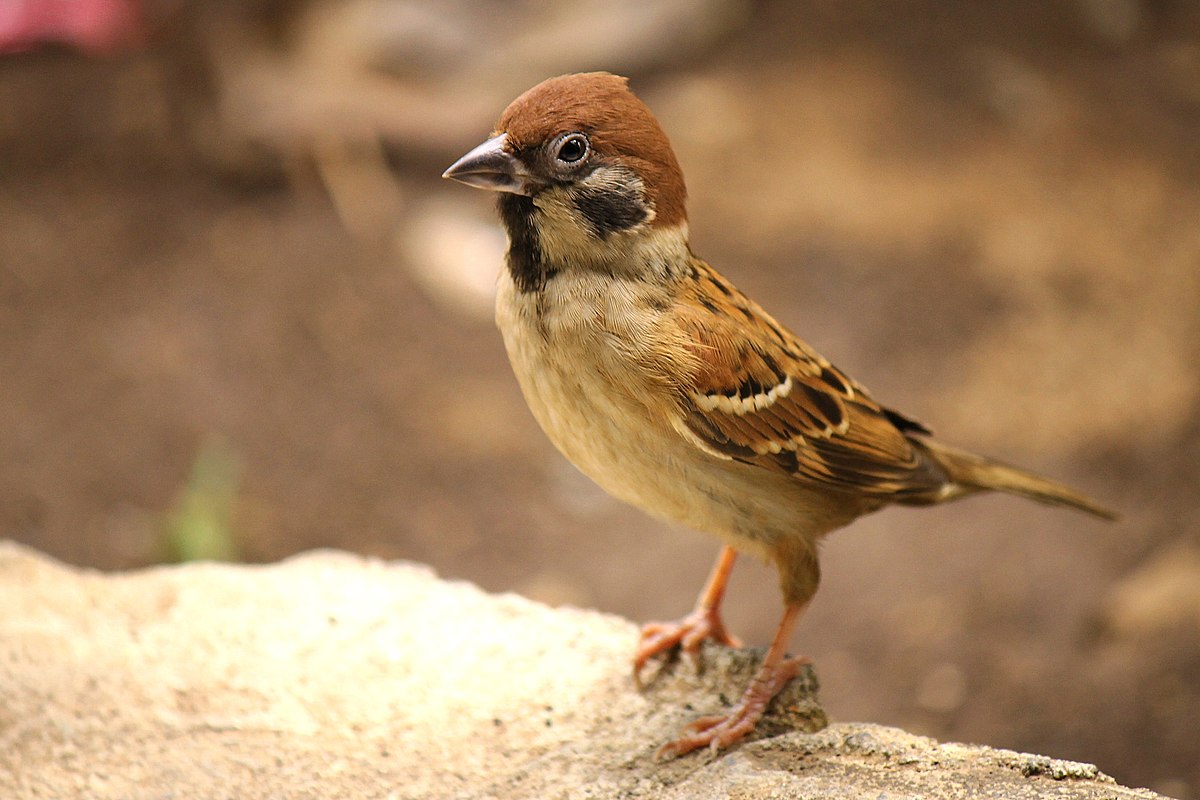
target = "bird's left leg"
x: 690, y: 632
x: 800, y: 573
x: 776, y: 670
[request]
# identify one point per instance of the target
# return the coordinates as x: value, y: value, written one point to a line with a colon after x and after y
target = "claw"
x: 776, y: 670
x: 688, y: 634
x: 717, y: 732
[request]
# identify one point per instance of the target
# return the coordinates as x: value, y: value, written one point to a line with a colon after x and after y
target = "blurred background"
x: 241, y: 316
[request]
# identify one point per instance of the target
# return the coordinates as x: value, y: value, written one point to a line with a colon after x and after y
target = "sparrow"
x: 673, y: 390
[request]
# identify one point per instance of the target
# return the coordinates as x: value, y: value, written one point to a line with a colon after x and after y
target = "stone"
x: 330, y: 675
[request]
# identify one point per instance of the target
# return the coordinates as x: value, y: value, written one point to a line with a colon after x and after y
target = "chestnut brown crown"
x: 618, y: 125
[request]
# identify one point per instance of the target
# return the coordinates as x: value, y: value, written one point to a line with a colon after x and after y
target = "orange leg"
x: 691, y: 631
x: 776, y: 670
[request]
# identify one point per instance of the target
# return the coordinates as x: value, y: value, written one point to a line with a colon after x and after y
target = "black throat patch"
x: 526, y: 263
x: 611, y: 209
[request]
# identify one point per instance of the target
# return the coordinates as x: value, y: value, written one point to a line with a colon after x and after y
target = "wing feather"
x: 763, y: 396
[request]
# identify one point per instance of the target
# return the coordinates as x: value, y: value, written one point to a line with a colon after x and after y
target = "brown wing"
x: 764, y: 397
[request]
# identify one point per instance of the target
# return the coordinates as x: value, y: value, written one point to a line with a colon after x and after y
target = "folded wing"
x: 762, y: 396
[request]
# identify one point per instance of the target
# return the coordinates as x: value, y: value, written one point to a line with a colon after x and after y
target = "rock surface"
x: 333, y: 676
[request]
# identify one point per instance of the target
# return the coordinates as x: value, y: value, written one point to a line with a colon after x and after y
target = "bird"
x: 675, y: 391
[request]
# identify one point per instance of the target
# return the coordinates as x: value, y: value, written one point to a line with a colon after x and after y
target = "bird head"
x: 586, y: 175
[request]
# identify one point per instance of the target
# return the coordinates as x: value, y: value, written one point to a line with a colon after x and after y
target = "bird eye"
x: 572, y: 148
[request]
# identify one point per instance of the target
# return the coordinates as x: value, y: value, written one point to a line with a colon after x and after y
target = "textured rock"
x: 333, y: 676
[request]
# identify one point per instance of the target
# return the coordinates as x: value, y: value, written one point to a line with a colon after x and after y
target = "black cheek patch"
x: 611, y: 210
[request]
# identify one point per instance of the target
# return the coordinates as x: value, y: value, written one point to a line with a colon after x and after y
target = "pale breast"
x: 579, y: 354
x: 572, y: 357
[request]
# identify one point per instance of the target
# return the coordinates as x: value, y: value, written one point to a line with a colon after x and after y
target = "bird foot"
x: 688, y: 634
x: 719, y: 731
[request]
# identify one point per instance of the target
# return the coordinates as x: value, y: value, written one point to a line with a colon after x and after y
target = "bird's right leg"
x: 691, y: 631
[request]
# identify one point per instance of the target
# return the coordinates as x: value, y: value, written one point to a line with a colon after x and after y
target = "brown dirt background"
x: 988, y: 213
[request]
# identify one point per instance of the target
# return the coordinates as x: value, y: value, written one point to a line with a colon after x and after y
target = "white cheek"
x: 563, y: 233
x: 567, y: 237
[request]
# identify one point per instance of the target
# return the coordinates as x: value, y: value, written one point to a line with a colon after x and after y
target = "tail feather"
x: 969, y: 473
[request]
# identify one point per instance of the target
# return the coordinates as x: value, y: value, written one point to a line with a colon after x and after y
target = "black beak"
x: 490, y: 166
